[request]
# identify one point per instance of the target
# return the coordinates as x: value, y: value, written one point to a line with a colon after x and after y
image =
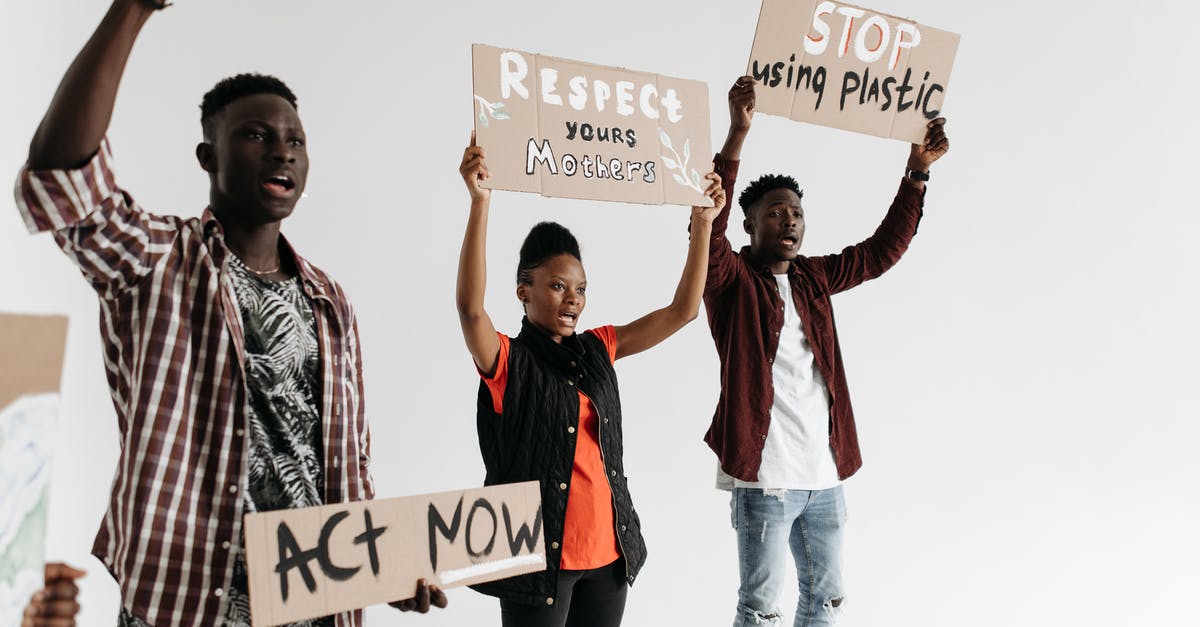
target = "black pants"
x: 586, y: 598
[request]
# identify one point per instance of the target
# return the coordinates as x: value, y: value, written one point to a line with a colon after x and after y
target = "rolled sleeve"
x: 51, y: 200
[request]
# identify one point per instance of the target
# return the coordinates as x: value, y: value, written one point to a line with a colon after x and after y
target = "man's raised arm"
x: 78, y: 116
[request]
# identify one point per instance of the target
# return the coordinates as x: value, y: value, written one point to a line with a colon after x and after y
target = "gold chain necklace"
x: 278, y: 263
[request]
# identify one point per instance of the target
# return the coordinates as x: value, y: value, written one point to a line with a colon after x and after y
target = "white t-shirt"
x: 796, y: 454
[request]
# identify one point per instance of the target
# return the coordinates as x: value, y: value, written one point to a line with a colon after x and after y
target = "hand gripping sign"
x: 316, y: 561
x: 847, y: 67
x: 576, y: 130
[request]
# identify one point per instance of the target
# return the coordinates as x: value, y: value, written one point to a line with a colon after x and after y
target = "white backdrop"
x: 1024, y: 380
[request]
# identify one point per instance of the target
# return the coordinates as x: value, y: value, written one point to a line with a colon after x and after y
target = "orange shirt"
x: 589, y: 540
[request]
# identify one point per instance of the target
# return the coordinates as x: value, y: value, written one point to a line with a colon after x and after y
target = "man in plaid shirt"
x: 234, y: 364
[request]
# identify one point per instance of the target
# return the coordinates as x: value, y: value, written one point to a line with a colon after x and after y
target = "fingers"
x: 426, y: 596
x: 55, y: 609
x: 714, y: 191
x: 741, y: 95
x: 714, y: 185
x: 741, y: 85
x: 473, y: 161
x: 422, y: 596
x: 472, y: 152
x: 473, y: 166
x: 52, y: 607
x: 47, y: 622
x: 59, y: 570
x: 935, y: 137
x: 61, y: 589
x: 437, y: 597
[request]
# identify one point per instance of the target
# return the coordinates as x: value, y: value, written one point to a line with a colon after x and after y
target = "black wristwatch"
x: 914, y: 175
x: 157, y: 5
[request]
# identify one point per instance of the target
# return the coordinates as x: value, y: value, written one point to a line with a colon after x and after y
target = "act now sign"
x: 849, y: 67
x: 316, y: 561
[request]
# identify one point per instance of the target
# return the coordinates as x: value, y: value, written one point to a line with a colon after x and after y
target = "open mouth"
x: 790, y: 240
x: 568, y: 318
x: 279, y: 185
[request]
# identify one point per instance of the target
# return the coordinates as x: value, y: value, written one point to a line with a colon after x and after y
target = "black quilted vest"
x: 531, y: 441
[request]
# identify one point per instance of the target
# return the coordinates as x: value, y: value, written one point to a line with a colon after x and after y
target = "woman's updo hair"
x: 545, y: 240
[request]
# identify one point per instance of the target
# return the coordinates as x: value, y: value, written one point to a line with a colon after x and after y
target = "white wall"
x: 1024, y: 380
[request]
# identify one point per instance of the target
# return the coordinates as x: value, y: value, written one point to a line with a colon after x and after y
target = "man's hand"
x: 715, y: 191
x: 426, y: 596
x: 54, y: 605
x: 936, y: 144
x: 473, y: 170
x: 741, y: 111
x: 741, y: 104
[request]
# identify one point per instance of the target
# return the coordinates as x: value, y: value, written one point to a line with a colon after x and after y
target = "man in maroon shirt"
x: 784, y: 430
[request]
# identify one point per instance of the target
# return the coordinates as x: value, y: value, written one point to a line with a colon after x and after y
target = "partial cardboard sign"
x: 571, y: 129
x: 316, y: 561
x: 848, y: 67
x: 31, y: 358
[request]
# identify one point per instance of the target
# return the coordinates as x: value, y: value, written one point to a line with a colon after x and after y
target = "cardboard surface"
x: 848, y: 67
x: 351, y: 555
x: 31, y: 355
x: 571, y: 129
x: 31, y: 358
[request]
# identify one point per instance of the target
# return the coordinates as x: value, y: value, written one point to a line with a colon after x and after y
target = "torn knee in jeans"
x: 834, y: 606
x: 835, y: 602
x: 761, y: 618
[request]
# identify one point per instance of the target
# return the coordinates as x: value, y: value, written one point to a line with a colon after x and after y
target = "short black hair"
x: 765, y: 183
x: 545, y: 240
x: 233, y: 88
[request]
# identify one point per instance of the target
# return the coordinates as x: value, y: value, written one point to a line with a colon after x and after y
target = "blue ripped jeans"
x: 768, y: 524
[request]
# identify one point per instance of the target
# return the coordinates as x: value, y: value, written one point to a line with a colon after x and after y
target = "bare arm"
x: 478, y: 330
x: 79, y: 114
x: 660, y: 324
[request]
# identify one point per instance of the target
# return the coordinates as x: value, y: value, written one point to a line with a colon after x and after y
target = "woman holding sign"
x: 549, y: 410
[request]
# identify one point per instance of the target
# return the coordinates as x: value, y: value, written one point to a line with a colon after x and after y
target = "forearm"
x: 875, y: 255
x: 732, y: 149
x: 658, y: 325
x: 472, y: 263
x: 81, y: 109
x: 916, y: 165
x: 686, y: 304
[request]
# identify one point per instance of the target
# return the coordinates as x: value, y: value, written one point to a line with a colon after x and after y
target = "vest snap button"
x: 549, y: 600
x: 562, y: 486
x: 570, y: 429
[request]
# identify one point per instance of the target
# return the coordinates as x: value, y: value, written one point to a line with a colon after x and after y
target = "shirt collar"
x: 761, y: 268
x: 314, y: 284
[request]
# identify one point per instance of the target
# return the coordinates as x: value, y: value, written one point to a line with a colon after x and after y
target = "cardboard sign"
x: 847, y: 67
x: 576, y: 130
x: 31, y: 357
x: 316, y: 561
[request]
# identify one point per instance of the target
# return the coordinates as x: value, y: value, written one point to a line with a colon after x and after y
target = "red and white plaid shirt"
x: 174, y: 356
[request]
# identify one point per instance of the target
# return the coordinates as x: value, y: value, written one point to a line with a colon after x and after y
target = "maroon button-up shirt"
x: 174, y: 355
x: 745, y: 314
